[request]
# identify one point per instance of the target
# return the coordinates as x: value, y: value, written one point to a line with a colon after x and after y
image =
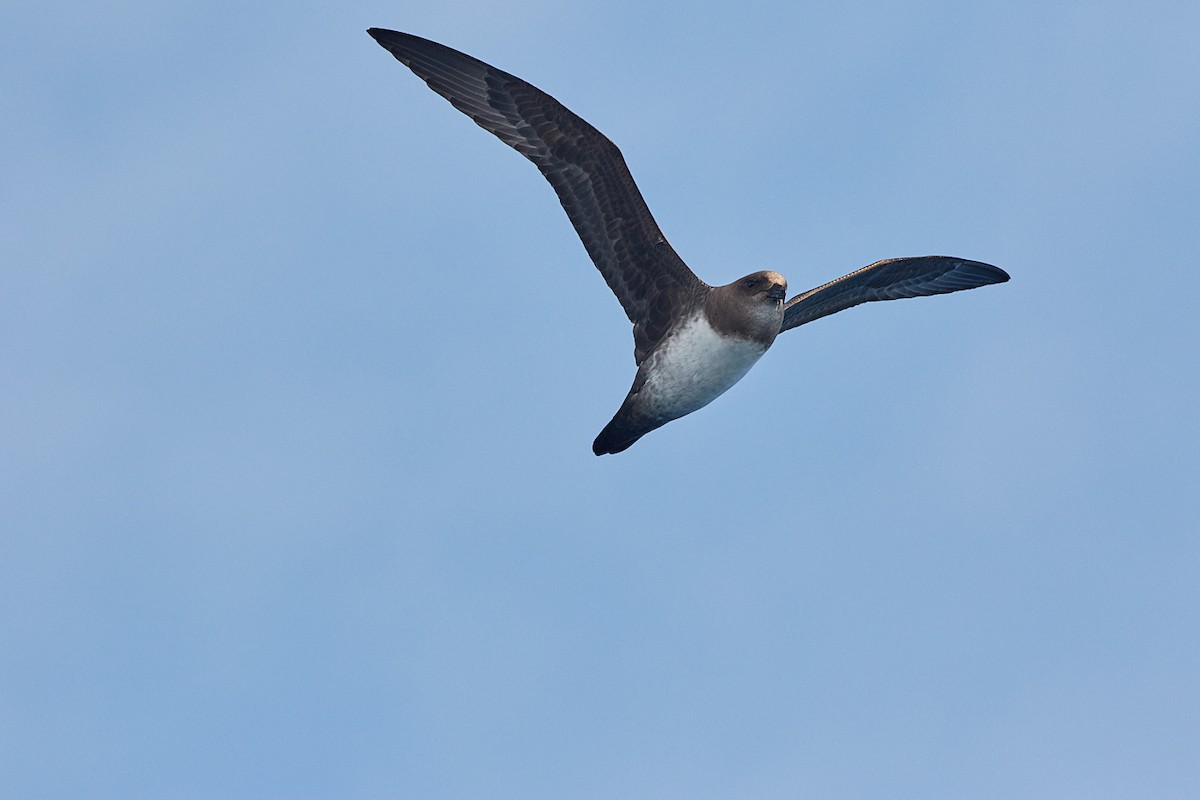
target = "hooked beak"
x: 776, y: 292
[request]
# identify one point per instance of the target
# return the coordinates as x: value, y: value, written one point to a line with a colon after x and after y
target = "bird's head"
x: 750, y: 307
x: 763, y: 287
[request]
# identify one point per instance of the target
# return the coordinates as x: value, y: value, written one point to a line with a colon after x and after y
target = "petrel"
x: 691, y: 341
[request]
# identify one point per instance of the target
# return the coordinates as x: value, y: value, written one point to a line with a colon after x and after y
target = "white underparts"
x: 693, y: 367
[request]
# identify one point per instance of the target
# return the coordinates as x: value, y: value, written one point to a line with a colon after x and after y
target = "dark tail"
x: 616, y: 437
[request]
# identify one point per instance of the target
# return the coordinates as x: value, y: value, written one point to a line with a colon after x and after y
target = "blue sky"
x: 301, y: 370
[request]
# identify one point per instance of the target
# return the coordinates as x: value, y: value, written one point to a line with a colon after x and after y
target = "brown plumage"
x: 692, y: 341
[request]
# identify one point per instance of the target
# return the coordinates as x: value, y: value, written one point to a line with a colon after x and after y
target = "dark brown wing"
x: 585, y: 169
x: 893, y: 279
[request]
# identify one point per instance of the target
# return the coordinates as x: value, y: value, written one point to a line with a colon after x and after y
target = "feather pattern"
x: 891, y: 279
x: 692, y: 341
x: 586, y: 170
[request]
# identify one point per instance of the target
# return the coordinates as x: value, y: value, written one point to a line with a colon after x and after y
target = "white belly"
x: 695, y: 366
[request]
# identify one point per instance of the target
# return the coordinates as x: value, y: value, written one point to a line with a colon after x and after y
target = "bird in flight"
x: 691, y: 341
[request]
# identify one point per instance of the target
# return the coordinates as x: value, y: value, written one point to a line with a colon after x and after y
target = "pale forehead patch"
x: 768, y: 275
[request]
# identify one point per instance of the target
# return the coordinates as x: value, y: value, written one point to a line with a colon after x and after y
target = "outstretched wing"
x: 584, y: 167
x: 892, y: 279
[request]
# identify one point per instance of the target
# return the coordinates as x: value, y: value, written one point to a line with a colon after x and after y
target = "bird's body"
x: 692, y: 367
x: 706, y: 351
x: 692, y: 341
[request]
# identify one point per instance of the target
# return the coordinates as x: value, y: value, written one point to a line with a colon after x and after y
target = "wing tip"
x: 385, y: 37
x: 989, y: 273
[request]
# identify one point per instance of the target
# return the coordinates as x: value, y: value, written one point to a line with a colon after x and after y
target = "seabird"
x: 691, y: 341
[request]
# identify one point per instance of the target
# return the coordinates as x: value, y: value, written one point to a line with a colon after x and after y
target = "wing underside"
x: 586, y: 170
x: 893, y: 279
